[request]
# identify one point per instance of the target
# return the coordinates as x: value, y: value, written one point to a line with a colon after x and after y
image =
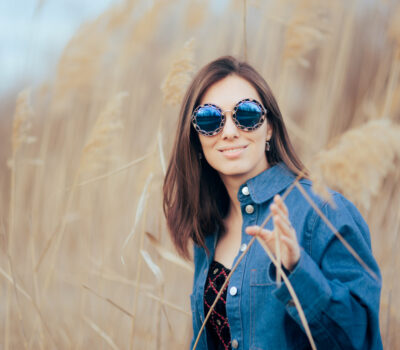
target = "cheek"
x: 207, y: 143
x: 259, y: 136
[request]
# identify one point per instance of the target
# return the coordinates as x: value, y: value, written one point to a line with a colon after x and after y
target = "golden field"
x: 86, y: 261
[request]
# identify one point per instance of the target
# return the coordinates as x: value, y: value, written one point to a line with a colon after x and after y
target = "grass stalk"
x: 336, y: 232
x: 391, y: 86
x: 108, y: 300
x: 277, y: 233
x: 101, y: 333
x: 30, y: 299
x: 234, y: 267
x: 169, y: 304
x: 292, y: 294
x: 138, y: 278
x: 245, y: 29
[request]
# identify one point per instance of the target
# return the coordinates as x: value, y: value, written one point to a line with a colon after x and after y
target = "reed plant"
x: 86, y: 260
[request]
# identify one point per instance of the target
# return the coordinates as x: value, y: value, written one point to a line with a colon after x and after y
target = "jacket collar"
x: 268, y: 183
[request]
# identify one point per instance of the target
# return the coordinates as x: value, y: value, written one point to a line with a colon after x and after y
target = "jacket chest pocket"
x: 271, y: 327
x: 264, y: 319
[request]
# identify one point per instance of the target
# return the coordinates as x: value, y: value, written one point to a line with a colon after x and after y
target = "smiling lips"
x: 232, y: 152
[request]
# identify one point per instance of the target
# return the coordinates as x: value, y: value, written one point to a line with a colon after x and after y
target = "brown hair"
x: 195, y: 199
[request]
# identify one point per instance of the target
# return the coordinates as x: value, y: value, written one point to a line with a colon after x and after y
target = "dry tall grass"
x: 88, y: 191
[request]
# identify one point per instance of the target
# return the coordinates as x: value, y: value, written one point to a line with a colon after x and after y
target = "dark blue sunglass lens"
x: 248, y: 114
x: 208, y: 118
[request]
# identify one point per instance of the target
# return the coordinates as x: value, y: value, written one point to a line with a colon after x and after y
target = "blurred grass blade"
x: 167, y: 255
x: 167, y: 303
x: 139, y: 211
x: 100, y: 332
x: 153, y: 267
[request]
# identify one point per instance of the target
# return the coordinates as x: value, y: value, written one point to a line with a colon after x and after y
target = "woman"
x: 231, y: 162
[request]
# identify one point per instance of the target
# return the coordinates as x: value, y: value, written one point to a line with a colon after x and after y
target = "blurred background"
x: 89, y: 99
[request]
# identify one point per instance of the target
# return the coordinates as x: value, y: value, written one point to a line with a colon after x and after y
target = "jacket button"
x: 233, y: 291
x: 235, y: 344
x: 290, y: 303
x: 243, y: 247
x: 245, y: 191
x: 249, y: 209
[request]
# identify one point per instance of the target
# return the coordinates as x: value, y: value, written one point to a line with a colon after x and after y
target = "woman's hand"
x: 289, y: 247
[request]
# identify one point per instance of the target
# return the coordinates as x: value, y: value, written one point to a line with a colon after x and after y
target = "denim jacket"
x: 339, y: 297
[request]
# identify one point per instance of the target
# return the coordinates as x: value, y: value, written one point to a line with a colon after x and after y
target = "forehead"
x: 226, y: 92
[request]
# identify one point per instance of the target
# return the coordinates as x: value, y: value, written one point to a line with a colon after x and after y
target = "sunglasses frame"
x: 221, y: 126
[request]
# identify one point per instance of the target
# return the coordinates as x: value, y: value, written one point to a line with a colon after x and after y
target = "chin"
x: 233, y: 170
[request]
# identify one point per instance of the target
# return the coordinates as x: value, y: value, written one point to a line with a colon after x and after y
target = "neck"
x: 232, y: 184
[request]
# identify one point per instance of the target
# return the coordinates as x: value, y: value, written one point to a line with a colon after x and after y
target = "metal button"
x: 290, y: 303
x: 245, y: 191
x: 233, y: 291
x: 235, y: 344
x: 218, y: 322
x: 215, y: 271
x: 243, y: 247
x: 249, y: 209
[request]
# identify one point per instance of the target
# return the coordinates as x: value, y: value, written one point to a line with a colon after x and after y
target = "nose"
x: 230, y: 131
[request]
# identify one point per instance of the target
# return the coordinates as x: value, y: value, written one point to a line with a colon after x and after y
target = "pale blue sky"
x: 31, y: 40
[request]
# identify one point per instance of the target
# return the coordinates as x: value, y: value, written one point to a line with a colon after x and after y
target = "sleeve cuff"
x: 272, y: 271
x: 309, y: 284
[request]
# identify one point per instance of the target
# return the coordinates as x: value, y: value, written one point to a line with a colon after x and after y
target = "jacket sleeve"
x: 199, y: 256
x: 195, y: 330
x: 339, y: 297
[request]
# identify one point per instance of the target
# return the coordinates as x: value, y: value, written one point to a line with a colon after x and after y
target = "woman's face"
x: 234, y: 152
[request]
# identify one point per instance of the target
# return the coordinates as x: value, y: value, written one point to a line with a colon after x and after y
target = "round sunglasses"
x: 209, y: 120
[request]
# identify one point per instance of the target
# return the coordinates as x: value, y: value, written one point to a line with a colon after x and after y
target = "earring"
x: 200, y: 155
x: 267, y: 146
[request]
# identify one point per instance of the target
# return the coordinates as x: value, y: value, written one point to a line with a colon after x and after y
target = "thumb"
x: 257, y: 230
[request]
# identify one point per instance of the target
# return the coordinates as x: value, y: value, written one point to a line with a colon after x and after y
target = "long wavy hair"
x: 195, y: 199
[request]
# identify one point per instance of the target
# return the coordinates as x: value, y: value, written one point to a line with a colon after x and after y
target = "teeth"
x: 233, y: 150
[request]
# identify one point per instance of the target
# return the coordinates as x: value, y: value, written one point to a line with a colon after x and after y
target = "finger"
x: 289, y: 248
x: 253, y: 230
x: 256, y: 230
x: 289, y: 244
x: 290, y: 252
x: 264, y: 234
x: 293, y: 248
x: 281, y: 204
x: 285, y: 224
x: 278, y: 211
x: 284, y: 228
